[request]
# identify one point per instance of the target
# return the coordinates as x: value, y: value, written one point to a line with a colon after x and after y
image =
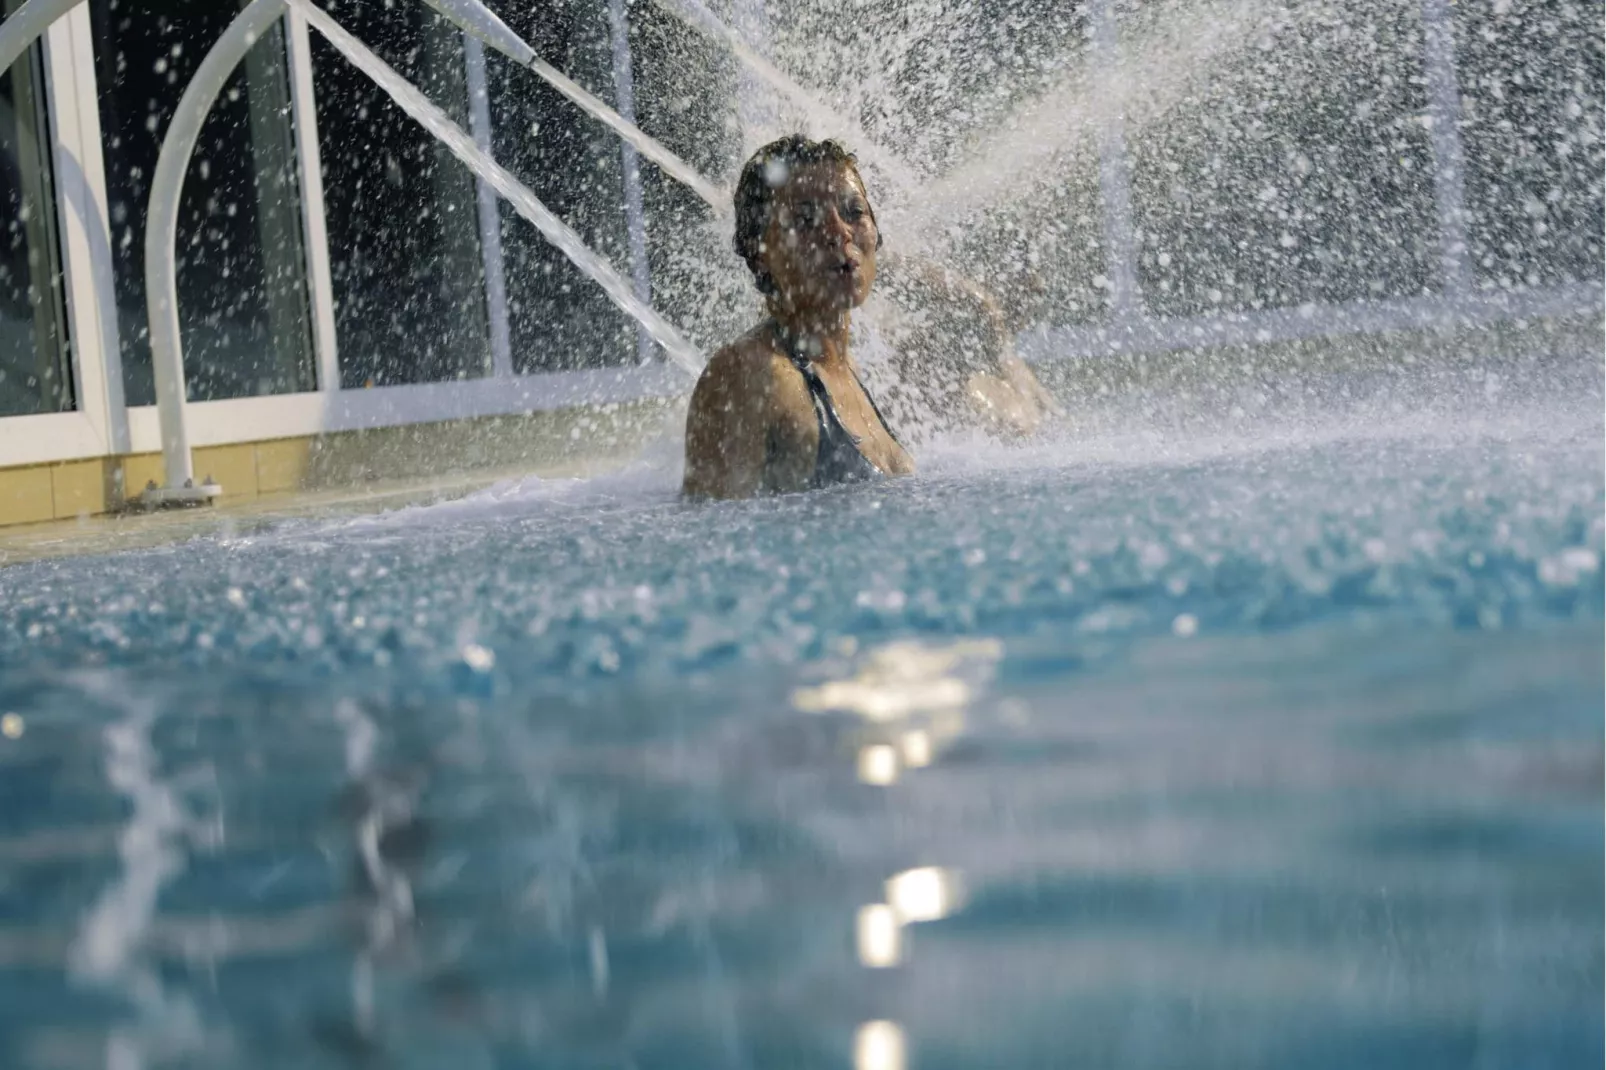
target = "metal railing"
x: 29, y: 22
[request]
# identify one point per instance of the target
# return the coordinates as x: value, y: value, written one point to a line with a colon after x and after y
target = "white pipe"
x: 416, y: 104
x: 479, y: 21
x: 473, y: 18
x: 24, y: 25
x: 161, y: 227
x: 826, y: 117
x: 167, y: 186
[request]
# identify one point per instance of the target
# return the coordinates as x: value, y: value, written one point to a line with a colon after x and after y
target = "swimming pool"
x: 1253, y: 748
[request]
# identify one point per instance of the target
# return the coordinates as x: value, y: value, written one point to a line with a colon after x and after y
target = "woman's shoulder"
x: 752, y: 358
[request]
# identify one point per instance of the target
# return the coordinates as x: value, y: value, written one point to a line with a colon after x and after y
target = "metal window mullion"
x: 1115, y: 179
x: 635, y: 212
x: 315, y: 231
x: 1444, y: 131
x: 490, y: 213
x: 84, y: 227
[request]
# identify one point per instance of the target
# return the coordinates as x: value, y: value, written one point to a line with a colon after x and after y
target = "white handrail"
x: 161, y: 237
x: 25, y: 25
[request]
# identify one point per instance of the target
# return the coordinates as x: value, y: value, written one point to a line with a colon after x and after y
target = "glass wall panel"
x: 404, y: 244
x: 557, y: 317
x: 34, y: 375
x: 1295, y: 169
x: 1530, y: 74
x: 691, y: 95
x: 241, y: 278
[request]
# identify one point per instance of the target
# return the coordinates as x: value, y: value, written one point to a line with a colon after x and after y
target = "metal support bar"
x: 1444, y: 131
x: 314, y: 228
x: 560, y: 234
x: 161, y: 235
x: 473, y: 18
x: 490, y: 213
x: 635, y: 212
x: 1115, y: 179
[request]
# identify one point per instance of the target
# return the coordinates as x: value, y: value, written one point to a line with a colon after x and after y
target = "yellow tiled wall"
x: 26, y: 495
x: 79, y: 488
x: 75, y: 488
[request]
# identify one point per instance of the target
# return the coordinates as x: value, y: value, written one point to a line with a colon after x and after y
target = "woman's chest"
x: 835, y: 406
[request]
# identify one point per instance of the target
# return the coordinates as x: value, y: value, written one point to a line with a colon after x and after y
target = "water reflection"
x: 880, y: 940
x: 926, y: 894
x: 879, y: 1045
x: 912, y: 700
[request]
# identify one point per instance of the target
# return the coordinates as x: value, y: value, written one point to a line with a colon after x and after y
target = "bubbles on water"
x: 478, y: 658
x: 1569, y: 567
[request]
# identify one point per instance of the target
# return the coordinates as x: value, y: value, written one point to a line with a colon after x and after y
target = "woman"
x: 782, y: 408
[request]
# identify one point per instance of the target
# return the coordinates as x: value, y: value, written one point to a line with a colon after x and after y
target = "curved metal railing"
x: 25, y: 25
x: 179, y: 142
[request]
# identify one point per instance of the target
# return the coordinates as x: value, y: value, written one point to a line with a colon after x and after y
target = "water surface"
x: 1277, y: 749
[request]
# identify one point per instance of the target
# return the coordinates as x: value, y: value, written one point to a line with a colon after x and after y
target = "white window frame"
x: 98, y: 424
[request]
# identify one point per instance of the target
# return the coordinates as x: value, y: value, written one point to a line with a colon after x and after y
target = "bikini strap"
x: 822, y: 396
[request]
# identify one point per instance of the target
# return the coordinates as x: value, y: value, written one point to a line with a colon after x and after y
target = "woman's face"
x: 820, y: 245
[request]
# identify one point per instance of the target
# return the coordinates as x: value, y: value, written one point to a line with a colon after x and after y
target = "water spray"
x: 822, y: 116
x: 478, y: 21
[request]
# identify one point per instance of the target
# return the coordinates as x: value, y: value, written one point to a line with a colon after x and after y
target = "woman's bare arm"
x: 726, y: 426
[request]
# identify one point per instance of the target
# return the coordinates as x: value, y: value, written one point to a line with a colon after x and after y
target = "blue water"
x: 1246, y: 750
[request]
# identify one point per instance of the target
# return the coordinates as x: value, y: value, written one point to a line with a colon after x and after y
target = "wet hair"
x: 762, y: 175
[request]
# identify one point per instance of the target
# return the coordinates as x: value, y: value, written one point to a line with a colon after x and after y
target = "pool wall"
x: 572, y: 439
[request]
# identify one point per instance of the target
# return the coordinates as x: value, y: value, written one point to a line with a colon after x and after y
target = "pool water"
x: 1257, y: 750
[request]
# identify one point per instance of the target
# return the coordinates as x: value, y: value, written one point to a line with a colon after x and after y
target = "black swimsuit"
x: 839, y: 460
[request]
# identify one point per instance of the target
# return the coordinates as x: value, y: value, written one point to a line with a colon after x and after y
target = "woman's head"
x: 805, y: 227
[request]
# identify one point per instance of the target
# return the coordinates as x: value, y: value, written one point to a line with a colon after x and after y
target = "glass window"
x: 1530, y: 74
x: 691, y: 95
x: 557, y: 317
x: 241, y: 281
x: 403, y: 216
x: 34, y: 373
